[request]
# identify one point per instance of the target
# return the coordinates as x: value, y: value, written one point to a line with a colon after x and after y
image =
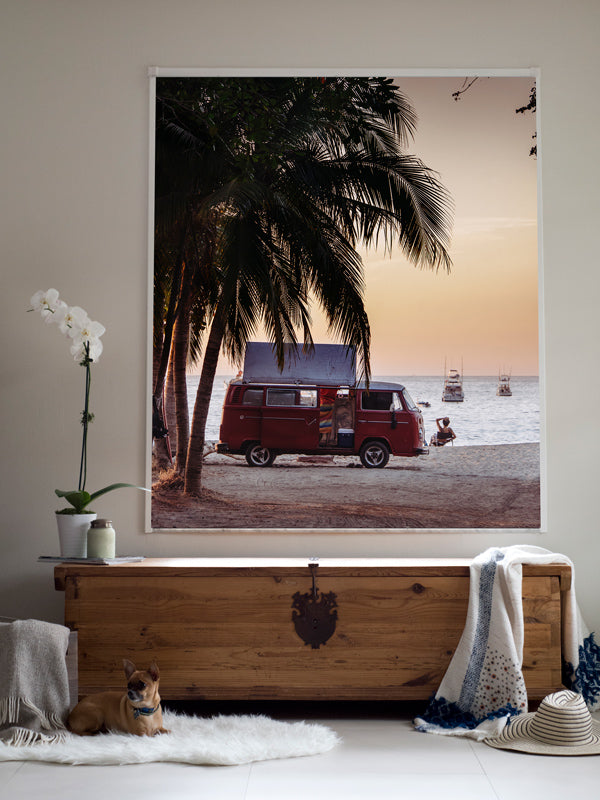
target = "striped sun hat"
x: 562, y: 726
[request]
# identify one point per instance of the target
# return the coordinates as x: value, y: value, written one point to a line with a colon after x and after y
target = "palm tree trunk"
x: 170, y: 403
x: 156, y: 353
x: 161, y: 372
x: 195, y: 454
x: 161, y: 453
x: 179, y: 363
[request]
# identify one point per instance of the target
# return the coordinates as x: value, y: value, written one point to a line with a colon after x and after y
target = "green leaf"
x: 113, y: 486
x: 79, y: 500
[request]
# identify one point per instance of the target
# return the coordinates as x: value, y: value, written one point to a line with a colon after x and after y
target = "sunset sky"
x: 485, y: 312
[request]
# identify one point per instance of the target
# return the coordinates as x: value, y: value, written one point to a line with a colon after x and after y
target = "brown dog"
x: 137, y: 711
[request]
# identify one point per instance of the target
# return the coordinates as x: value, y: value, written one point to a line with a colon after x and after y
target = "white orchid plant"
x: 86, y: 347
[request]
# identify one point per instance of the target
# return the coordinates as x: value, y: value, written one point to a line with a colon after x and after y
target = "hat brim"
x: 516, y: 736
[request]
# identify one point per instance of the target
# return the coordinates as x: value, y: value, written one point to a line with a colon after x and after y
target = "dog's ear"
x: 129, y: 667
x: 153, y: 671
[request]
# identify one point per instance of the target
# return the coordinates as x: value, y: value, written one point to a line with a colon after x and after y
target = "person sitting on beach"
x: 444, y: 433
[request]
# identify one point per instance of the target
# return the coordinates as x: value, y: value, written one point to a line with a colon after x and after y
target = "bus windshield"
x: 410, y: 403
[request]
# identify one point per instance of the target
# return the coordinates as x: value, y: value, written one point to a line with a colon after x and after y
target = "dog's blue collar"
x: 144, y: 712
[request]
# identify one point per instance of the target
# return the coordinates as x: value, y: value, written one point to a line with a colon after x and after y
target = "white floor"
x: 381, y: 757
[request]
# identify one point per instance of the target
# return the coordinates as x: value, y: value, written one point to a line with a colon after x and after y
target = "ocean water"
x: 483, y: 418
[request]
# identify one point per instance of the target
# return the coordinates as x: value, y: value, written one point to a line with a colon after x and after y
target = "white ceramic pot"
x: 72, y: 534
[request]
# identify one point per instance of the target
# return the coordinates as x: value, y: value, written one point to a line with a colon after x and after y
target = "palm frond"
x: 294, y: 174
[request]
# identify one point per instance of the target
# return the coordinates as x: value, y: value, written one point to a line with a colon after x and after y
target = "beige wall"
x: 73, y: 215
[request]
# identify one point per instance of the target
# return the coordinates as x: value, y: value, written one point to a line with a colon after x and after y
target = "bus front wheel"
x: 374, y: 454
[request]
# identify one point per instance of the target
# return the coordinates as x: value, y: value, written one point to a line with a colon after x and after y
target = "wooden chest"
x: 223, y: 629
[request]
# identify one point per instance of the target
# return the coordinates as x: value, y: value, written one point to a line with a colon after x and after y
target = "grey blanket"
x: 34, y: 685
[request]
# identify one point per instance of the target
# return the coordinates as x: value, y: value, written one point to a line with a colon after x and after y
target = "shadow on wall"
x: 23, y: 595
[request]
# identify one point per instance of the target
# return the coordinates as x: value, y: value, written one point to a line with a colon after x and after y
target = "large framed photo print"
x: 344, y: 320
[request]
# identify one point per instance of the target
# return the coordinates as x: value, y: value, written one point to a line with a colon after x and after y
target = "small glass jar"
x: 101, y: 539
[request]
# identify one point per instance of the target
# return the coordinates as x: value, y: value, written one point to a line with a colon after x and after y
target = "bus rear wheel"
x: 259, y: 456
x: 374, y: 455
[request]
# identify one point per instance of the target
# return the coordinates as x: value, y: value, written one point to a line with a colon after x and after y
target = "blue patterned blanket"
x: 483, y: 685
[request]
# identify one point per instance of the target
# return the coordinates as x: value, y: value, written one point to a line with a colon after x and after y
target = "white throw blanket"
x: 34, y: 685
x: 483, y: 685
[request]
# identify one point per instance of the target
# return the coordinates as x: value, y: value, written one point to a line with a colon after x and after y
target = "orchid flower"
x: 71, y: 318
x: 86, y: 347
x: 48, y: 304
x: 86, y: 332
x: 83, y: 347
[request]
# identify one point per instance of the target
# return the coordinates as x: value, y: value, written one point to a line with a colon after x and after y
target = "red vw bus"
x: 314, y: 405
x: 261, y: 420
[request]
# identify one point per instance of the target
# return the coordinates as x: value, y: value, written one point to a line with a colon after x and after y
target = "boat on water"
x: 504, y: 389
x: 453, y: 387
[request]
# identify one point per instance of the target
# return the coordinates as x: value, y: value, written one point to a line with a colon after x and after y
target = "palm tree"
x: 307, y: 170
x: 183, y: 167
x: 180, y: 307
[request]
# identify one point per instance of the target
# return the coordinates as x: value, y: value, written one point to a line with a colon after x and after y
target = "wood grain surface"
x: 222, y: 629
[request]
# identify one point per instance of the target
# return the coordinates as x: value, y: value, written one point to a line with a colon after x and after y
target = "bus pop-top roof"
x: 326, y: 363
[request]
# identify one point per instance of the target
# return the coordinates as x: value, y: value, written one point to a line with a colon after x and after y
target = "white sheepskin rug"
x: 222, y: 740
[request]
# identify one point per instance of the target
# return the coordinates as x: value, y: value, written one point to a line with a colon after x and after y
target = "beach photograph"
x: 345, y: 305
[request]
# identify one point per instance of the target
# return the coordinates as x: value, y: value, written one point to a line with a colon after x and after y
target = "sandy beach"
x: 452, y: 487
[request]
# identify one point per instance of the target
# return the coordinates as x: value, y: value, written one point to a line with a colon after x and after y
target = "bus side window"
x: 252, y: 397
x: 377, y: 401
x: 308, y: 398
x: 281, y: 397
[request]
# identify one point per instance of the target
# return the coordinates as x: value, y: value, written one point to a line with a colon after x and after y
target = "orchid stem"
x: 85, y: 418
